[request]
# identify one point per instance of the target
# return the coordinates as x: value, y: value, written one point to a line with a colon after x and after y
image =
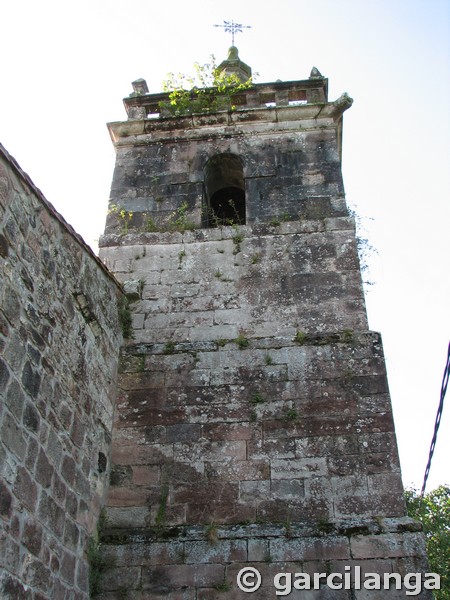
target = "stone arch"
x: 224, y: 191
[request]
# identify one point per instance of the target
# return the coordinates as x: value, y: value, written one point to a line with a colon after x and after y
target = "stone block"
x: 299, y: 468
x: 210, y: 451
x: 156, y: 454
x: 37, y: 575
x: 43, y: 470
x: 127, y: 517
x: 165, y: 578
x: 6, y: 500
x: 31, y: 380
x: 12, y: 588
x: 387, y: 546
x: 287, y: 488
x: 25, y: 489
x: 51, y: 514
x: 121, y: 497
x: 9, y: 553
x: 327, y: 548
x: 15, y: 400
x: 237, y: 470
x: 146, y: 474
x: 220, y: 551
x: 32, y: 536
x: 71, y: 534
x: 253, y: 492
x: 68, y: 565
x: 12, y: 437
x: 120, y: 578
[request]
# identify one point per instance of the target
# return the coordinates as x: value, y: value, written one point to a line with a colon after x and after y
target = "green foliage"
x: 242, y: 341
x: 223, y: 587
x: 181, y: 255
x: 237, y: 238
x: 160, y: 519
x: 291, y: 415
x: 125, y: 317
x: 300, y: 337
x: 212, y: 534
x: 288, y: 528
x: 433, y: 511
x: 169, y: 348
x: 257, y: 398
x: 123, y: 215
x: 97, y: 561
x: 179, y: 221
x: 207, y: 90
x: 268, y: 359
x: 347, y: 336
x: 150, y: 224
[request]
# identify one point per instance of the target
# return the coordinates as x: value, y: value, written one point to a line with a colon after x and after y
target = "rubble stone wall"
x: 59, y: 343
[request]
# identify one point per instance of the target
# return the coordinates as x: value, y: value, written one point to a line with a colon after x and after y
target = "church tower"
x: 254, y: 425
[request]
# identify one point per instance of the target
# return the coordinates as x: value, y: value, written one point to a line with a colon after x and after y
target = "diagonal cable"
x: 438, y: 420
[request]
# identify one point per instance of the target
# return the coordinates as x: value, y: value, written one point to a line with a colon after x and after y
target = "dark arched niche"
x: 225, y: 191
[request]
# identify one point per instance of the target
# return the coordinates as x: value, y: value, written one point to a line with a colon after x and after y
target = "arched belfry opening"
x: 224, y: 191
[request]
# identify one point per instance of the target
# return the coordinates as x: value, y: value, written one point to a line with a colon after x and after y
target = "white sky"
x: 66, y: 67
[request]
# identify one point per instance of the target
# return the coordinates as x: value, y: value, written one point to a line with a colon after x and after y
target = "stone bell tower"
x: 254, y: 424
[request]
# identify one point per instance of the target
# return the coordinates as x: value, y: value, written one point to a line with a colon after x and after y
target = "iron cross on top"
x: 232, y: 27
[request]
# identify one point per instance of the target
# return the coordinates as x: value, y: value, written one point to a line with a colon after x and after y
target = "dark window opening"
x: 224, y: 202
x: 227, y: 207
x: 102, y: 462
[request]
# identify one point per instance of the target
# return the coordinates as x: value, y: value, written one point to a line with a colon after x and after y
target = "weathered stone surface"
x: 57, y: 367
x: 251, y: 390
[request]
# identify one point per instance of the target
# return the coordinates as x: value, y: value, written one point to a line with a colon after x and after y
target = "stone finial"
x: 233, y: 65
x: 315, y: 74
x: 140, y: 87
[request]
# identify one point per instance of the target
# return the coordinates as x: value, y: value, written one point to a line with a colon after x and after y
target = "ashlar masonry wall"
x: 253, y: 424
x: 59, y: 343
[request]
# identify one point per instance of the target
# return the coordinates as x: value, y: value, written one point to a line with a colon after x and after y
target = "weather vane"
x: 232, y: 27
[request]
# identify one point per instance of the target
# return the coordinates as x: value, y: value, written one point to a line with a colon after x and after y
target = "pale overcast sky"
x: 67, y: 66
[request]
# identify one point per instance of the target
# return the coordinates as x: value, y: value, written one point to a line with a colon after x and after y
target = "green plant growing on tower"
x: 237, y: 238
x: 178, y: 220
x: 291, y: 415
x: 224, y: 586
x: 257, y: 398
x: 150, y: 224
x: 242, y: 341
x: 169, y: 347
x: 160, y: 519
x: 300, y: 337
x: 212, y: 534
x: 207, y: 90
x: 125, y: 318
x: 181, y: 255
x: 97, y: 561
x: 124, y: 216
